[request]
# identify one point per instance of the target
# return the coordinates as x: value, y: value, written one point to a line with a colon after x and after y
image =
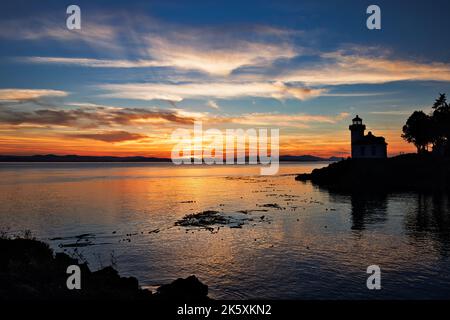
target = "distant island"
x: 77, y: 158
x: 308, y: 158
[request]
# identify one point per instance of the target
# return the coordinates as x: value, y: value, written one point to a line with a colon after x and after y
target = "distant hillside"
x: 335, y: 158
x: 76, y: 158
x: 307, y: 158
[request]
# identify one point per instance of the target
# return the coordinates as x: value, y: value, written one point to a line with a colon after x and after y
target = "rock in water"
x: 189, y: 289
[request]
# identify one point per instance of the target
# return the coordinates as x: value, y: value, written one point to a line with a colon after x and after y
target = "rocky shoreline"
x: 409, y: 172
x: 30, y: 270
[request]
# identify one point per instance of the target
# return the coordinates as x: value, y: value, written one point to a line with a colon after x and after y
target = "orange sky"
x: 124, y: 82
x: 334, y: 143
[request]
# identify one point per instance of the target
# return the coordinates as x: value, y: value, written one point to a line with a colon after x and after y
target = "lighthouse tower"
x: 357, y: 129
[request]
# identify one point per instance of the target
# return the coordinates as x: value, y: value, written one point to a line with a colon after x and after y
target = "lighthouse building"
x: 366, y: 146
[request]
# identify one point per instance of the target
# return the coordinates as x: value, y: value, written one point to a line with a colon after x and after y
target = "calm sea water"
x: 316, y: 244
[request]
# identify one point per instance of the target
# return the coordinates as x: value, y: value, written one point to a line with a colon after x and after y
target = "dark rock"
x: 207, y: 219
x: 30, y: 271
x: 189, y: 289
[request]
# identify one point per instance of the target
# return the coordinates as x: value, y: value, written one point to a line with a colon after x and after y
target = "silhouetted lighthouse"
x: 357, y: 129
x: 366, y: 146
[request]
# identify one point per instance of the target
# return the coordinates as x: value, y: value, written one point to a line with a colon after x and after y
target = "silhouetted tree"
x: 418, y: 130
x: 441, y: 124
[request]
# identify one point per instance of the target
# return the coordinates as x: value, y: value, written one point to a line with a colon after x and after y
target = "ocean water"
x: 297, y: 241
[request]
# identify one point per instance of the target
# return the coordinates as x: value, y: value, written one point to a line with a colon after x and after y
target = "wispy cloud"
x: 213, y: 104
x: 333, y: 68
x: 298, y: 120
x: 90, y: 117
x: 97, y: 63
x: 109, y: 136
x: 225, y: 90
x: 29, y: 94
x: 393, y: 112
x: 193, y: 52
x: 207, y: 49
x: 190, y: 56
x: 220, y: 52
x: 367, y: 66
x: 356, y: 94
x: 99, y: 35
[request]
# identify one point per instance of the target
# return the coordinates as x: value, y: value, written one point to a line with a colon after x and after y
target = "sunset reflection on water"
x: 318, y: 245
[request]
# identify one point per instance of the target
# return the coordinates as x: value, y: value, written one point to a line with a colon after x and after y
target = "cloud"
x: 99, y: 35
x: 357, y: 94
x: 219, y: 51
x: 213, y: 104
x: 393, y: 112
x: 109, y: 136
x: 151, y: 43
x: 95, y: 63
x: 193, y: 52
x: 29, y: 94
x: 353, y: 66
x: 189, y: 56
x: 365, y: 66
x: 91, y: 117
x: 287, y: 120
x: 219, y: 90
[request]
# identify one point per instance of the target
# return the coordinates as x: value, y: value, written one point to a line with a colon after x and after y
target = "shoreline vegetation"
x: 409, y: 172
x: 30, y: 270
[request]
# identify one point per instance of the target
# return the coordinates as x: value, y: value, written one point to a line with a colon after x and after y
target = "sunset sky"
x: 138, y: 70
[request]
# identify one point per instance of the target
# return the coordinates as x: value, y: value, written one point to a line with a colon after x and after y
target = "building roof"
x: 357, y: 118
x: 370, y: 139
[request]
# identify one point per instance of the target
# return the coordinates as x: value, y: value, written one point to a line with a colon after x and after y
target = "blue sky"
x: 302, y: 66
